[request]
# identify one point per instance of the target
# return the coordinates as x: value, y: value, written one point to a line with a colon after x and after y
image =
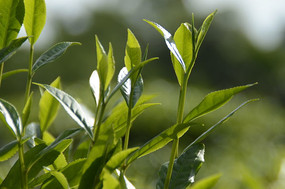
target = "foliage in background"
x: 103, y: 155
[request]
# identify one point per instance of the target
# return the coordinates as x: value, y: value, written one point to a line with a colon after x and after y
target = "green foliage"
x: 48, y: 107
x: 12, y: 15
x: 52, y: 54
x: 10, y: 50
x: 185, y: 168
x: 102, y: 155
x: 35, y: 18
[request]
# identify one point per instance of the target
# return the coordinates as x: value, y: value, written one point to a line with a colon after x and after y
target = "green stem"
x: 97, y: 124
x: 1, y: 72
x: 175, y: 144
x: 24, y: 175
x: 30, y: 76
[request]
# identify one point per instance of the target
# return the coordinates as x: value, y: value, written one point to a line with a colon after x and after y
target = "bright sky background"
x: 263, y: 21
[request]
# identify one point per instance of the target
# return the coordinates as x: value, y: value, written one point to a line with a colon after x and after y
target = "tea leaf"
x: 206, y: 183
x: 204, y: 28
x: 130, y: 73
x: 52, y: 54
x: 35, y: 18
x: 60, y: 178
x: 127, y: 87
x: 33, y: 130
x: 214, y: 101
x: 27, y: 110
x: 72, y: 173
x: 105, y: 63
x: 11, y: 118
x: 118, y: 159
x: 133, y: 51
x: 13, y: 72
x: 8, y: 151
x: 12, y: 14
x: 109, y: 181
x: 211, y: 129
x: 95, y: 84
x: 183, y: 41
x: 160, y: 140
x: 185, y: 168
x: 169, y: 42
x: 10, y: 50
x: 33, y: 164
x: 71, y: 106
x: 48, y: 107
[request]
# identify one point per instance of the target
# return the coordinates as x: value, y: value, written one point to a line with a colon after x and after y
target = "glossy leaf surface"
x: 185, y: 168
x: 11, y: 118
x: 127, y: 87
x: 71, y: 106
x: 48, y: 107
x: 169, y: 42
x: 94, y: 83
x: 206, y: 183
x: 52, y: 54
x: 183, y: 41
x: 12, y: 14
x: 35, y: 18
x: 10, y: 50
x: 33, y: 131
x: 130, y: 73
x: 214, y: 101
x: 8, y: 151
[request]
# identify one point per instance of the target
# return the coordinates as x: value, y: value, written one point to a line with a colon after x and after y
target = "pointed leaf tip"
x: 169, y: 42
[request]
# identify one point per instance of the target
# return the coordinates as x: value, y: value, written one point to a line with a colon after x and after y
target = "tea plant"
x: 103, y: 155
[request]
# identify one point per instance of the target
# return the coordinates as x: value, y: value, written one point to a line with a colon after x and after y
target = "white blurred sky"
x: 263, y: 21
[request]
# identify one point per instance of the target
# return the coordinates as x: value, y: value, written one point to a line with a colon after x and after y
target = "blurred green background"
x: 245, y: 44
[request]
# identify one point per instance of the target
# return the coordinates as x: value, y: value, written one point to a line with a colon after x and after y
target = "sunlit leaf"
x: 214, y: 101
x: 130, y: 73
x: 94, y: 83
x: 109, y: 181
x: 71, y: 106
x: 105, y: 64
x: 52, y: 54
x: 204, y: 28
x: 10, y: 50
x: 48, y: 107
x: 27, y: 110
x: 211, y: 129
x: 13, y: 72
x: 160, y: 140
x: 60, y: 178
x: 133, y: 51
x: 169, y: 42
x: 35, y: 18
x: 183, y: 41
x: 8, y: 151
x: 118, y: 159
x: 185, y: 168
x: 206, y: 183
x: 127, y: 87
x: 11, y: 118
x: 12, y: 14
